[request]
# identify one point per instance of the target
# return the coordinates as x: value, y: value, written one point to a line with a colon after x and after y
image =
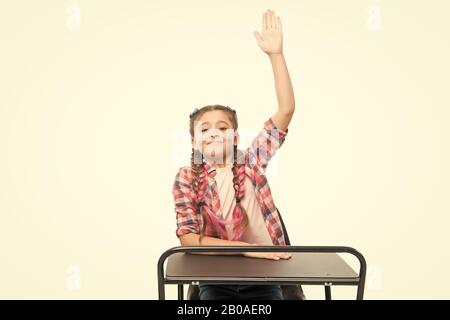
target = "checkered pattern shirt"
x: 256, y: 157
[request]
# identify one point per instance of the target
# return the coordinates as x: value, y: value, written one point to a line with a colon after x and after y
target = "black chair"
x: 290, y: 292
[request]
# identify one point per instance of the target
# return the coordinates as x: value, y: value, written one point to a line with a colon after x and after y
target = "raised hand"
x: 270, y: 40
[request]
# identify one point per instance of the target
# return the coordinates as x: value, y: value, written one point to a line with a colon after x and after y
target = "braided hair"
x: 215, y: 224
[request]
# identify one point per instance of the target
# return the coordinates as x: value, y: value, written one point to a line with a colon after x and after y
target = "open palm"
x: 270, y: 40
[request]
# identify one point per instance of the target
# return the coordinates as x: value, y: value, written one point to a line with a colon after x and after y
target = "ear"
x: 193, y: 143
x: 236, y: 137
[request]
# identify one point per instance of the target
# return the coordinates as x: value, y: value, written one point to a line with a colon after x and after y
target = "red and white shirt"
x: 256, y: 157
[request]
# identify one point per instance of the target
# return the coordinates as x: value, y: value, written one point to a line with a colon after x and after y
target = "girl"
x: 224, y: 198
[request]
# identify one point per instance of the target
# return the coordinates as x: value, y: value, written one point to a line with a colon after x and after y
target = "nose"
x: 214, y: 134
x: 212, y: 137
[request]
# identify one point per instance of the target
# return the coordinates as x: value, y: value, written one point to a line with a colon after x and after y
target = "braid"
x: 239, y: 212
x: 199, y: 186
x: 196, y: 182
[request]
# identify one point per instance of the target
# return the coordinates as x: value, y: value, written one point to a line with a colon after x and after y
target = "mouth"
x: 214, y: 142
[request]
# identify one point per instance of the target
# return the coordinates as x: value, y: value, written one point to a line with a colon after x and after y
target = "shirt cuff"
x: 270, y: 125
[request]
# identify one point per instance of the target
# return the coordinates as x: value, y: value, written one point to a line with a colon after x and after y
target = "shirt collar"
x: 210, y: 169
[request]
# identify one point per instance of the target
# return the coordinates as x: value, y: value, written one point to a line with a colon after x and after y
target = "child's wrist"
x: 277, y: 54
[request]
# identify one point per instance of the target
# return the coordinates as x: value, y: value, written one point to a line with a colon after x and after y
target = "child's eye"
x: 203, y: 130
x: 223, y: 128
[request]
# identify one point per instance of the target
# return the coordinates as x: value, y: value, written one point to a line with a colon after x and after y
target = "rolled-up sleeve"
x: 186, y: 216
x: 265, y: 145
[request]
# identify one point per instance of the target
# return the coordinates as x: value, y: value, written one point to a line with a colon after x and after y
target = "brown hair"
x: 200, y: 182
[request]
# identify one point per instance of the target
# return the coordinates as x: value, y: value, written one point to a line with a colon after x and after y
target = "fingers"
x: 279, y: 27
x: 257, y: 36
x: 270, y: 21
x: 285, y: 255
x: 280, y: 255
x: 264, y: 22
x: 268, y: 255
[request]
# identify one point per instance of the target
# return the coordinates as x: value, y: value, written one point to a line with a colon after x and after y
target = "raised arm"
x: 270, y: 40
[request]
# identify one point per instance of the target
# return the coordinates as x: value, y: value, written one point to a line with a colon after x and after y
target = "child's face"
x: 216, y: 135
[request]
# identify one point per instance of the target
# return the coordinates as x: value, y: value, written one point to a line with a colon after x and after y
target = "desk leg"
x: 327, y: 291
x: 360, y: 292
x: 180, y: 292
x: 161, y: 289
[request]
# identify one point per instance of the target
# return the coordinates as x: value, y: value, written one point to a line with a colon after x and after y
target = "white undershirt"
x: 256, y: 231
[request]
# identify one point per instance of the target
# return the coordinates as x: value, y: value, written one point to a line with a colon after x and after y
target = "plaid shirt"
x: 257, y: 156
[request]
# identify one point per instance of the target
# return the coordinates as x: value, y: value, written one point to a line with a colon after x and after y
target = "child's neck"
x: 222, y: 164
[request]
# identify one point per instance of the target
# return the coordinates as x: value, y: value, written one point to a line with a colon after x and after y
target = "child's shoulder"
x: 184, y: 169
x: 182, y: 178
x: 184, y: 172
